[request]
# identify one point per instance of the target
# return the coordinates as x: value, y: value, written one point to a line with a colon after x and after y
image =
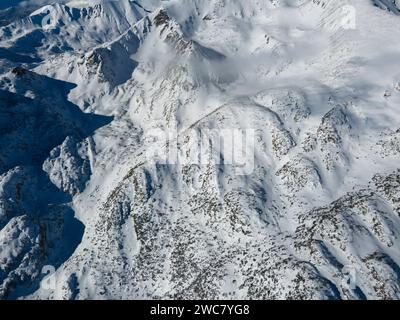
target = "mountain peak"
x: 193, y: 149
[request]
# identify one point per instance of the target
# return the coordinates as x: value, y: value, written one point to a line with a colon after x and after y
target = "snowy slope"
x: 314, y: 213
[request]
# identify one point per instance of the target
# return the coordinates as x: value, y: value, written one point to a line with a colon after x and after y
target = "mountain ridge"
x: 313, y: 213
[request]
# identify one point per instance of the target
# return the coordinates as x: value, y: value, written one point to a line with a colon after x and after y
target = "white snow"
x: 318, y: 83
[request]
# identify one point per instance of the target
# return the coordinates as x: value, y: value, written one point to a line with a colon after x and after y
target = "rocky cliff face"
x: 92, y: 101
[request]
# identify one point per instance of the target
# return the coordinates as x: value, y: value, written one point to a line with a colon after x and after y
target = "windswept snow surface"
x: 89, y: 209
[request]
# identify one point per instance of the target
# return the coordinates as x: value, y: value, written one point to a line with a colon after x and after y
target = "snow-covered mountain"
x: 311, y: 212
